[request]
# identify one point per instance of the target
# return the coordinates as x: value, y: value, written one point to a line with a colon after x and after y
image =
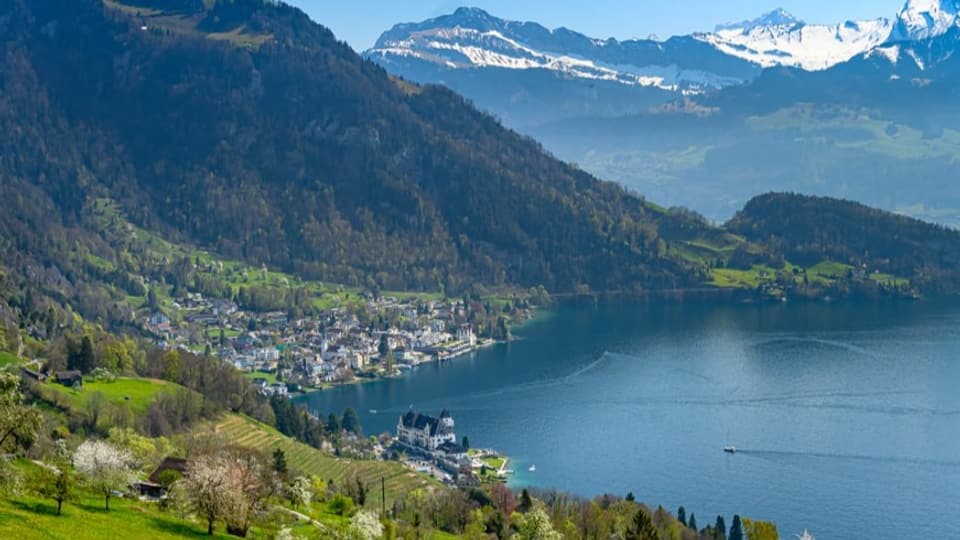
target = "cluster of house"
x: 434, y: 438
x: 332, y: 347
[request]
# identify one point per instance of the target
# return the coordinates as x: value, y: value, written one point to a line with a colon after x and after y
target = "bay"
x: 846, y: 416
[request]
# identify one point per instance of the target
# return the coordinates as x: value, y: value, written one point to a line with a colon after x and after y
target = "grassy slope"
x: 27, y: 518
x: 247, y: 432
x: 139, y: 391
x: 8, y: 359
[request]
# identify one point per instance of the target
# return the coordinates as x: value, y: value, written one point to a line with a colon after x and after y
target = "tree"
x: 693, y: 522
x: 526, y: 502
x: 231, y: 484
x: 535, y: 525
x: 351, y: 421
x: 630, y: 497
x: 366, y: 525
x: 760, y: 530
x: 720, y: 528
x: 502, y: 498
x: 341, y: 505
x: 642, y: 527
x: 300, y: 492
x: 736, y: 530
x: 105, y: 468
x: 280, y: 461
x: 81, y: 356
x: 333, y: 424
x: 56, y: 483
x: 19, y: 423
x: 465, y: 443
x: 682, y: 516
x: 204, y: 489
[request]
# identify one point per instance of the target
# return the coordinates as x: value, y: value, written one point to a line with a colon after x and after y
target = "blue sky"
x: 360, y: 22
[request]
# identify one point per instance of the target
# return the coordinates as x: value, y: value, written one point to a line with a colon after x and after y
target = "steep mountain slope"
x: 864, y: 118
x: 249, y: 129
x: 786, y: 41
x: 246, y: 129
x: 529, y: 74
x: 925, y: 19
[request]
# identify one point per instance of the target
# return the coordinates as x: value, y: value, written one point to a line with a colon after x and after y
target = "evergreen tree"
x: 526, y: 502
x: 642, y: 527
x: 465, y: 443
x: 736, y: 530
x: 384, y: 346
x: 693, y: 522
x: 280, y: 461
x: 682, y: 515
x: 351, y: 421
x: 720, y: 529
x: 630, y: 497
x: 86, y: 359
x: 333, y: 424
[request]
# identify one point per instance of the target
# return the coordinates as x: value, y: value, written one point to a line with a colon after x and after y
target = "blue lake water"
x: 846, y: 417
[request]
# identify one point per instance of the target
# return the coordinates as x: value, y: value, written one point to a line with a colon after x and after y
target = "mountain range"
x: 860, y: 109
x: 247, y: 130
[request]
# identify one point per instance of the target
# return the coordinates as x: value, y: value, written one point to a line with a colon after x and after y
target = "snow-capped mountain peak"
x: 777, y: 17
x: 472, y: 39
x: 790, y: 42
x: 925, y: 19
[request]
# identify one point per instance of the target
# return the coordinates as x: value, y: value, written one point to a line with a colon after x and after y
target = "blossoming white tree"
x: 205, y: 489
x: 232, y: 485
x: 300, y: 492
x: 366, y: 525
x: 104, y: 467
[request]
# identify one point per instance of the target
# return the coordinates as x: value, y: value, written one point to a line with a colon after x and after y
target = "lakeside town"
x: 381, y: 337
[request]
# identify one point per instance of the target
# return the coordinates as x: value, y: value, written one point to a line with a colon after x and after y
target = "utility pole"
x: 383, y: 496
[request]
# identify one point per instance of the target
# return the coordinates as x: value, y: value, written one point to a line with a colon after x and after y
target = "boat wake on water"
x: 785, y: 454
x: 534, y: 385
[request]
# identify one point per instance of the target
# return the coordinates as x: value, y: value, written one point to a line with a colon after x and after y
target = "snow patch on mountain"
x: 891, y: 53
x: 925, y: 19
x: 470, y: 38
x: 777, y: 17
x: 795, y: 44
x: 465, y: 48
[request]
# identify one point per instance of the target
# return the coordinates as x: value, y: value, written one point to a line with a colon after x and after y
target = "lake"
x: 846, y: 417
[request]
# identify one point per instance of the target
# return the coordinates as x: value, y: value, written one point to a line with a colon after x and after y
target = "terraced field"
x: 250, y: 433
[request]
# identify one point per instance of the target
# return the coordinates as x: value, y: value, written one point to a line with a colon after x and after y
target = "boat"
x: 730, y: 449
x: 373, y: 411
x: 533, y: 468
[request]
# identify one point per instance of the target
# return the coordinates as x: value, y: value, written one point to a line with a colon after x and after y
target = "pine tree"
x: 736, y: 530
x: 333, y: 424
x: 351, y: 421
x: 279, y: 461
x: 682, y: 515
x: 642, y: 528
x: 693, y: 521
x: 87, y: 360
x: 630, y: 497
x: 720, y: 529
x: 526, y: 502
x: 465, y: 443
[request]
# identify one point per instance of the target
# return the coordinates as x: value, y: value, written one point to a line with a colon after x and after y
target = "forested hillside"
x: 807, y: 230
x: 244, y: 129
x: 249, y: 129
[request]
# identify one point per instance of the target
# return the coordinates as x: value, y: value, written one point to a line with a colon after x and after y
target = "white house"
x: 426, y: 432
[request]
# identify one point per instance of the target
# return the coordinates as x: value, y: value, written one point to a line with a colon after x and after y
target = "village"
x: 382, y: 338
